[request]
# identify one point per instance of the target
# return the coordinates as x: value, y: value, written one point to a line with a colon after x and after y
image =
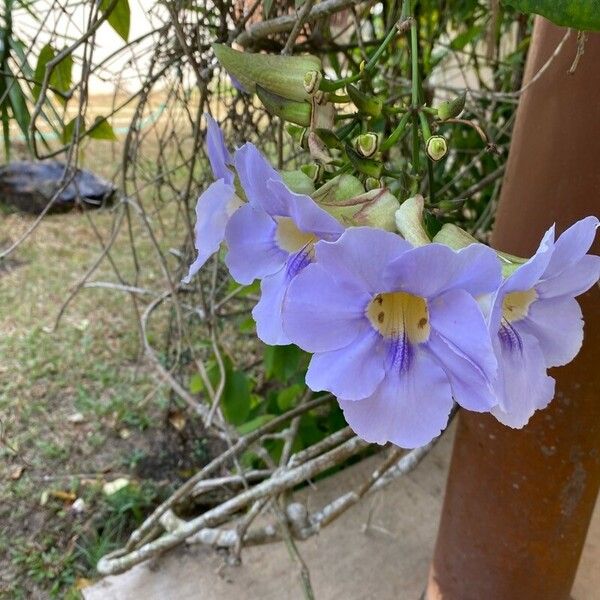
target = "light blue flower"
x: 272, y: 237
x: 217, y: 203
x: 536, y: 322
x: 395, y: 331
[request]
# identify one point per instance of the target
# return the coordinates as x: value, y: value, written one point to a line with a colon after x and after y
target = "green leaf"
x: 18, y: 104
x: 235, y: 401
x: 61, y: 76
x: 267, y: 5
x: 254, y: 424
x: 579, y: 14
x: 462, y: 39
x: 68, y: 130
x: 281, y: 362
x: 102, y: 130
x: 195, y: 385
x: 119, y: 18
x: 45, y: 56
x: 287, y: 398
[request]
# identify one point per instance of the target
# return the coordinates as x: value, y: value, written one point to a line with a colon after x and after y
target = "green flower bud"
x: 312, y: 170
x: 281, y: 75
x: 367, y: 144
x: 371, y: 183
x: 449, y: 109
x: 437, y: 147
x: 409, y: 221
x: 297, y: 133
x: 288, y: 110
x: 298, y: 181
x: 366, y: 166
x: 366, y: 104
x: 339, y: 189
x: 312, y: 80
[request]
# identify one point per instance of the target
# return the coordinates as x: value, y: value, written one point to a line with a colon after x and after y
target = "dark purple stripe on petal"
x: 296, y: 262
x: 510, y: 338
x: 400, y: 354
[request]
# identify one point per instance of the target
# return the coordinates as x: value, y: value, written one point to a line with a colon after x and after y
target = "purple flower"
x: 272, y: 238
x: 536, y: 322
x: 395, y: 331
x: 217, y: 203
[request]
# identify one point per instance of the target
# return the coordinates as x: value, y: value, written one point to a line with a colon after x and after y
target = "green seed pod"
x: 288, y: 110
x: 366, y: 104
x: 367, y: 144
x: 450, y: 109
x: 281, y: 75
x: 437, y: 147
x: 312, y: 80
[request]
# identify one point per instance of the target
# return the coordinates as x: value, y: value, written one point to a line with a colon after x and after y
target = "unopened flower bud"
x: 370, y: 105
x: 297, y: 133
x: 449, y: 109
x: 312, y: 170
x: 437, y: 147
x: 366, y: 144
x: 409, y: 221
x: 312, y: 80
x: 372, y: 183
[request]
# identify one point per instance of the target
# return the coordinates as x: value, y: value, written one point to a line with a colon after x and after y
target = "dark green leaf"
x: 281, y: 362
x: 235, y: 401
x: 60, y: 79
x: 462, y: 39
x: 579, y: 14
x: 68, y: 131
x: 119, y: 17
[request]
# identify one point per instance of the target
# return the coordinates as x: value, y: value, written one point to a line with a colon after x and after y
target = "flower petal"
x: 460, y: 342
x: 267, y: 313
x: 572, y: 245
x: 254, y: 172
x: 408, y: 409
x: 435, y: 268
x: 523, y: 385
x: 303, y: 210
x: 213, y: 210
x: 218, y: 155
x: 321, y: 313
x: 352, y: 372
x: 557, y: 325
x: 574, y: 280
x: 360, y: 255
x: 253, y: 253
x: 529, y: 273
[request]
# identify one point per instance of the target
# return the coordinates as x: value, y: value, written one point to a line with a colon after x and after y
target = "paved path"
x: 387, y: 562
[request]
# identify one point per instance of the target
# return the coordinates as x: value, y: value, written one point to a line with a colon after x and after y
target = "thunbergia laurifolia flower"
x: 217, y: 203
x: 536, y: 322
x: 395, y: 331
x: 272, y: 238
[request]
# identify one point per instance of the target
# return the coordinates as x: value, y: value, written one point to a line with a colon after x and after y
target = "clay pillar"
x: 518, y: 502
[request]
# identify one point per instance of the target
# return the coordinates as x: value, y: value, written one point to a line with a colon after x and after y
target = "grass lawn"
x: 78, y: 406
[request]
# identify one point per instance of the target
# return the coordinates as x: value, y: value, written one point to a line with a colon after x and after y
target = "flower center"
x: 398, y: 314
x: 515, y: 305
x: 290, y: 238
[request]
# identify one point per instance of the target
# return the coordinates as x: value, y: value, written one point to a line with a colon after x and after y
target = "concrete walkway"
x: 347, y: 561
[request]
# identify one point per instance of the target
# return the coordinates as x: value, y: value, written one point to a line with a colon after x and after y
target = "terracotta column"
x: 518, y: 502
